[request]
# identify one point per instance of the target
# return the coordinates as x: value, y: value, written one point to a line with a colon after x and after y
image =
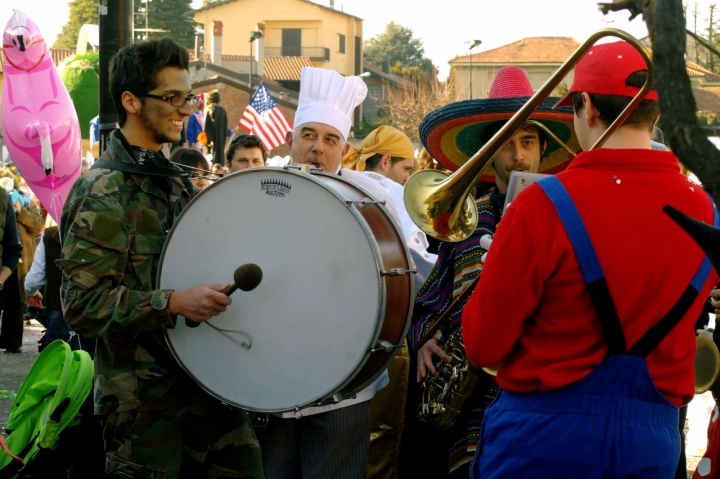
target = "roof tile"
x: 527, y: 50
x: 707, y: 99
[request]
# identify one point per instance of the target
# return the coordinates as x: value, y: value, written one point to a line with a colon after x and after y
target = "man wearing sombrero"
x: 591, y: 322
x: 452, y: 134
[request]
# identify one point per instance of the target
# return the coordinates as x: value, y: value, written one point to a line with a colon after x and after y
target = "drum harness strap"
x: 597, y: 284
x: 147, y: 169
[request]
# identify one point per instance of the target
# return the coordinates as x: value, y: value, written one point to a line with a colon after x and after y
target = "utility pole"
x: 695, y: 16
x: 473, y: 44
x: 711, y: 31
x: 116, y: 32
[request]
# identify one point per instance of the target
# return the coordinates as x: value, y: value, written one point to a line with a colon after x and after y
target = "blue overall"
x: 613, y: 423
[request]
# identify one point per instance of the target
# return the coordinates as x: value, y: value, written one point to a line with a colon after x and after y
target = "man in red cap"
x: 591, y: 372
x: 452, y: 134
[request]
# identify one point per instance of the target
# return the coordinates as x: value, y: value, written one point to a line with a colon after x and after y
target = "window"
x: 341, y: 45
x: 291, y: 42
x: 358, y: 55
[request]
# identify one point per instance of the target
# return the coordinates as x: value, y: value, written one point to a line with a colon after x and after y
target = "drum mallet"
x: 247, y: 277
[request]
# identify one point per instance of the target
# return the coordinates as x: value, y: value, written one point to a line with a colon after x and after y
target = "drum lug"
x: 397, y: 272
x: 363, y: 203
x: 385, y: 346
x: 304, y: 168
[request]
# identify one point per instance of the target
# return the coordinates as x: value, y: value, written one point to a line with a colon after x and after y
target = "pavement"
x: 14, y: 367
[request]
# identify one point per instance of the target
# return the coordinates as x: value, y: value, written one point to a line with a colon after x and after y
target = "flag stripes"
x: 264, y: 119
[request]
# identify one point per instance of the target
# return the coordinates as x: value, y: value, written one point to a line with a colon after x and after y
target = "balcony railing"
x: 316, y: 54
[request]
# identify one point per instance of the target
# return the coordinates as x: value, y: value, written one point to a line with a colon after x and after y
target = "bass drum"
x: 335, y: 298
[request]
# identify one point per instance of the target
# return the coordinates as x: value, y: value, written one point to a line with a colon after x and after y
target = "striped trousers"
x: 329, y: 445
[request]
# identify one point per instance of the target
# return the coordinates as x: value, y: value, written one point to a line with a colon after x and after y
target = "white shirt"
x: 415, y: 239
x: 36, y: 278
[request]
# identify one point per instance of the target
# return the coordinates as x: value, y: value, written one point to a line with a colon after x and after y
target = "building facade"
x: 330, y: 38
x: 539, y: 57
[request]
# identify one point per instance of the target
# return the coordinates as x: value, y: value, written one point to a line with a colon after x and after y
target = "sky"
x: 445, y: 27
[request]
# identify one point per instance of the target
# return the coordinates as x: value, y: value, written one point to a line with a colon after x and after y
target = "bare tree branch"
x: 635, y: 7
x: 703, y: 42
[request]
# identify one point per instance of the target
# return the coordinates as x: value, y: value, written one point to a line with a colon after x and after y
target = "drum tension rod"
x: 397, y: 272
x: 385, y: 346
x: 363, y: 203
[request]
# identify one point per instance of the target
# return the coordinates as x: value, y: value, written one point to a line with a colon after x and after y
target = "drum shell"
x: 398, y: 303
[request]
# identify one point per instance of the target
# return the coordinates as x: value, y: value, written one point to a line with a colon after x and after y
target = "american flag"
x: 264, y: 119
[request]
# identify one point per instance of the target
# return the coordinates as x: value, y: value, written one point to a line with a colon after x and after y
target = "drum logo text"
x: 275, y: 187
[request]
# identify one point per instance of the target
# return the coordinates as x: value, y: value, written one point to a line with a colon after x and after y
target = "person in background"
x: 196, y: 125
x: 45, y: 273
x: 216, y: 127
x: 387, y: 152
x: 195, y: 161
x: 246, y: 151
x: 95, y: 137
x: 11, y: 328
x: 30, y: 222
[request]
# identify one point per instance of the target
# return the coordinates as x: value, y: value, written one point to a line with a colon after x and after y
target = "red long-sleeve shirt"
x: 531, y: 310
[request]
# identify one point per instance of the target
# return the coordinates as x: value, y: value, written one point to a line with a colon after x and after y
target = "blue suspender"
x: 575, y: 228
x: 597, y: 285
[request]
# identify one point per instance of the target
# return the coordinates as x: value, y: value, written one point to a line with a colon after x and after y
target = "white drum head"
x: 315, y: 313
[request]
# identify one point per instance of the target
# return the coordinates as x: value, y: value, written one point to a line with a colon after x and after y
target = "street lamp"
x: 473, y: 44
x: 254, y: 35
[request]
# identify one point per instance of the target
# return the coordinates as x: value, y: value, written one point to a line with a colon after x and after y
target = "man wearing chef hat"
x: 328, y: 441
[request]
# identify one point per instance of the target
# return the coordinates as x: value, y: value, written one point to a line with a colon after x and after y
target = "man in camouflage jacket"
x: 156, y: 421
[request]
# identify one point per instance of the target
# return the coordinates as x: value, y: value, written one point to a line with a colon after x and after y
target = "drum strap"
x: 147, y: 169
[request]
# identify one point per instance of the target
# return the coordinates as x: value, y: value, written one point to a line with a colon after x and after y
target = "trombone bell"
x: 438, y: 221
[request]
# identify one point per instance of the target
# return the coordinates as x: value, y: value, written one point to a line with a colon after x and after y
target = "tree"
x: 397, y: 46
x: 165, y: 15
x: 406, y: 107
x: 666, y: 24
x: 81, y: 12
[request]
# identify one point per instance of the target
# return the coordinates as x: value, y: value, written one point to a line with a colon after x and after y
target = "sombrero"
x: 452, y: 134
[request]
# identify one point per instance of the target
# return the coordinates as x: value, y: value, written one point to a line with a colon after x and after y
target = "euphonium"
x: 445, y: 392
x: 706, y: 365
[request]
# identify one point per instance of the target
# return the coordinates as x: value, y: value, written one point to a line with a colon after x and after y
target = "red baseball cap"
x: 604, y: 71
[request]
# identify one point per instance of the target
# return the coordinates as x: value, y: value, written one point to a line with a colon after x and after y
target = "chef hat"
x: 329, y: 98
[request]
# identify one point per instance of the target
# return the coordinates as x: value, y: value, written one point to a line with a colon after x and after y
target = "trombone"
x: 442, y: 206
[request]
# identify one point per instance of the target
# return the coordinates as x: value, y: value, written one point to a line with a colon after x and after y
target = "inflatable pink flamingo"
x: 39, y: 121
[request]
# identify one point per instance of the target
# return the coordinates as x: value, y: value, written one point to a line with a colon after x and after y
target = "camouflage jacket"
x: 113, y: 228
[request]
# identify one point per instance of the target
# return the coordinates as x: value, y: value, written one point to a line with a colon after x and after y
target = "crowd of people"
x: 592, y: 374
x: 26, y: 230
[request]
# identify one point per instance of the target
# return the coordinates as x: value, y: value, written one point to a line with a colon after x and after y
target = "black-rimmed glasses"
x: 175, y: 100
